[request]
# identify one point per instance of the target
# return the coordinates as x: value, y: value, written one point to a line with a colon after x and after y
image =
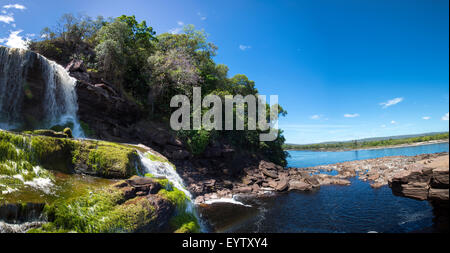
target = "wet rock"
x: 245, y: 189
x: 18, y: 212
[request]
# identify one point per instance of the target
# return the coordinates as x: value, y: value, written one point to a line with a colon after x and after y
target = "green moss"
x: 155, y: 158
x: 107, y: 159
x: 68, y: 132
x: 183, y: 221
x: 53, y: 153
x: 60, y: 128
x: 99, y: 212
x: 186, y: 223
x: 47, y: 132
x: 164, y: 182
x: 86, y: 129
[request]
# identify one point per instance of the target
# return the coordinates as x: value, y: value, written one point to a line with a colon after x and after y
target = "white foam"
x: 226, y: 200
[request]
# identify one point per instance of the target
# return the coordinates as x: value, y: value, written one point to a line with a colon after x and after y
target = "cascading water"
x: 59, y: 98
x: 166, y: 170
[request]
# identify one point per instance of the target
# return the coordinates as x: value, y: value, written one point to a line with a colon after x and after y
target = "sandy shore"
x: 378, y: 147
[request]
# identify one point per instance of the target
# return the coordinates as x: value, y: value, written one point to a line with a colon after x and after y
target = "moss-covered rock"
x: 68, y: 132
x: 106, y: 159
x: 183, y: 220
x: 111, y: 209
x: 99, y: 158
x: 48, y: 132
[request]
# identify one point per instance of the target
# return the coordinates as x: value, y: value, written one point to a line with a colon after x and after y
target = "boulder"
x: 282, y: 185
x: 299, y: 185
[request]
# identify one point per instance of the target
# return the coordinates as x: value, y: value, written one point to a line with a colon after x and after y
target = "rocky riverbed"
x: 421, y: 177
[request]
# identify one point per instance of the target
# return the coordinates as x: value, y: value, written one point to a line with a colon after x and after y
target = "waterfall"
x: 59, y: 98
x: 166, y: 170
x: 160, y: 169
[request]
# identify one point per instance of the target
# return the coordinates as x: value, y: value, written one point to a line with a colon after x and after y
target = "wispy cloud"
x: 383, y: 126
x: 393, y: 122
x: 426, y: 117
x: 14, y: 6
x: 350, y: 115
x: 244, y: 47
x: 445, y: 117
x: 15, y: 40
x: 6, y: 18
x: 391, y: 102
x: 202, y: 17
x: 178, y: 29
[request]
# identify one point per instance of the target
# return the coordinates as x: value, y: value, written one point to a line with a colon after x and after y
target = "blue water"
x: 357, y: 208
x: 301, y: 159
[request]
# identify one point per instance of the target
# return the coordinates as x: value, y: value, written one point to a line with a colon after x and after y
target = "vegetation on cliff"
x: 150, y: 69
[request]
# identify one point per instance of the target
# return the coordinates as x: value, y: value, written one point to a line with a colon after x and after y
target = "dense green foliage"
x: 150, y: 69
x: 367, y: 144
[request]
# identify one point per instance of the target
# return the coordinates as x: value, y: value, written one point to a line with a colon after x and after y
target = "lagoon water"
x: 332, y: 209
x: 301, y: 159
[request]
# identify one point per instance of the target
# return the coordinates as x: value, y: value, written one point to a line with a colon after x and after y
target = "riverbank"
x: 374, y: 148
x: 267, y: 178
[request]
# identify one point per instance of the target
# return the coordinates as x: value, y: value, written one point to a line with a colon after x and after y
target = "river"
x: 357, y: 208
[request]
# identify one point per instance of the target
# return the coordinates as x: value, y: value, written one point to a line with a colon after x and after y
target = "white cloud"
x: 349, y: 115
x: 178, y: 29
x: 391, y: 102
x: 383, y: 126
x: 244, y: 47
x: 315, y: 117
x: 202, y: 17
x: 6, y: 19
x: 393, y: 122
x: 15, y: 40
x: 175, y: 30
x: 426, y: 117
x: 14, y: 6
x: 445, y: 117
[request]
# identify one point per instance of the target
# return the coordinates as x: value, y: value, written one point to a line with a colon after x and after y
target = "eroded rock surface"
x: 426, y: 179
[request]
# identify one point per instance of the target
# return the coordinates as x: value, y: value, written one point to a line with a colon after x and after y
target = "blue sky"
x: 332, y: 63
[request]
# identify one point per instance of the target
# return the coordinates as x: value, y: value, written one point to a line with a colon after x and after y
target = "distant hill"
x: 376, y: 138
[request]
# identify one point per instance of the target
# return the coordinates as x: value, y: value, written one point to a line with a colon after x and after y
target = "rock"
x: 76, y: 66
x: 377, y: 185
x: 440, y: 178
x: 268, y: 173
x: 282, y: 185
x: 179, y: 154
x: 245, y: 189
x: 18, y: 212
x: 264, y: 165
x: 426, y: 180
x: 272, y: 183
x: 438, y: 194
x: 255, y: 188
x: 144, y: 184
x: 373, y: 177
x: 299, y: 185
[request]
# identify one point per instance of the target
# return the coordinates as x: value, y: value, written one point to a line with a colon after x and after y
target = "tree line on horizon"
x: 366, y: 144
